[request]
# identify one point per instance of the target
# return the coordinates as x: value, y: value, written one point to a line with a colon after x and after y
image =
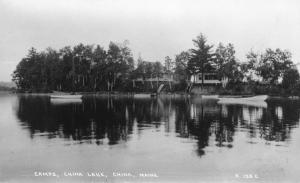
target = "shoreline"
x: 148, y: 94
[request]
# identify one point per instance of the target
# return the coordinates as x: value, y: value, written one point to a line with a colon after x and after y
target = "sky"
x: 155, y: 28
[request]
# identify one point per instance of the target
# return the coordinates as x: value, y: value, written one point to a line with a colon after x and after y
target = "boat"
x: 210, y: 96
x: 245, y: 97
x: 59, y: 99
x: 236, y: 96
x: 142, y: 95
x: 66, y: 96
x: 256, y: 101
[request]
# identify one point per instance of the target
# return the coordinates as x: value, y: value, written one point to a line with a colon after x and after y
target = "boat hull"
x: 210, y: 96
x: 257, y: 101
x: 66, y: 96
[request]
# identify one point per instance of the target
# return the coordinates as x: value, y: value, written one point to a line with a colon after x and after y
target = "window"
x: 211, y: 77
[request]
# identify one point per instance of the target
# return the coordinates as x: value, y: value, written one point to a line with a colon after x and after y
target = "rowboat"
x: 257, y: 97
x: 64, y: 99
x: 210, y: 96
x: 66, y: 96
x: 142, y: 95
x: 257, y: 101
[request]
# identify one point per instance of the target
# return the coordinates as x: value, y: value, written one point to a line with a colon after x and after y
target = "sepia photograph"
x: 149, y: 91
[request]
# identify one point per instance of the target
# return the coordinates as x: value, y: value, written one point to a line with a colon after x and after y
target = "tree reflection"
x: 278, y: 120
x: 114, y: 119
x: 93, y: 119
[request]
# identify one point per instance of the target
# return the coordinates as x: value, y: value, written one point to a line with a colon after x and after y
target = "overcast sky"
x: 154, y: 28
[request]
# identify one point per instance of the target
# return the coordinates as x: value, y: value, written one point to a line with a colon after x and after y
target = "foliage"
x: 168, y: 65
x: 290, y: 78
x: 146, y: 70
x: 181, y: 61
x: 92, y: 68
x: 201, y: 56
x: 272, y: 65
x: 227, y: 65
x: 81, y: 68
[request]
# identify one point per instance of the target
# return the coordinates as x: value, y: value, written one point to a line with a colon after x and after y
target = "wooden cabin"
x: 209, y: 79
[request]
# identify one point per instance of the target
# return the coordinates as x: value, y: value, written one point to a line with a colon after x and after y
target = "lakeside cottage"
x: 210, y: 78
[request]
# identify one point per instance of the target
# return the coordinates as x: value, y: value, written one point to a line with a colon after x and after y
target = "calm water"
x: 175, y: 139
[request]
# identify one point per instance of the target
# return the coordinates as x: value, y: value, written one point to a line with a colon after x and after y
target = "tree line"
x: 92, y: 68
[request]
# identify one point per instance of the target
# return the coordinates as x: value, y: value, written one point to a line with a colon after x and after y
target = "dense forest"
x: 91, y: 68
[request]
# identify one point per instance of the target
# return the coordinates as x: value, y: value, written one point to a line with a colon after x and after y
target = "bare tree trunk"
x: 202, y: 70
x: 202, y: 78
x: 114, y: 81
x: 108, y: 85
x: 83, y: 81
x: 151, y: 82
x: 95, y: 83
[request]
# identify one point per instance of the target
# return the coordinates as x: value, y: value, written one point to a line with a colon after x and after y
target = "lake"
x: 165, y: 139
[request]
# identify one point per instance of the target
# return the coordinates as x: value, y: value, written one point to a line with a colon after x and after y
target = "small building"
x: 210, y: 78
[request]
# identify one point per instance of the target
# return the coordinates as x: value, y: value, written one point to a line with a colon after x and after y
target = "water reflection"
x: 114, y: 119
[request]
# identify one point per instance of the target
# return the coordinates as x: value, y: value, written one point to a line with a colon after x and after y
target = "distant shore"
x: 148, y: 94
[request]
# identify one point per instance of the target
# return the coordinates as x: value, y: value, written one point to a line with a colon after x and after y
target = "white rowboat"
x: 257, y: 101
x: 65, y: 99
x: 210, y: 96
x: 66, y: 96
